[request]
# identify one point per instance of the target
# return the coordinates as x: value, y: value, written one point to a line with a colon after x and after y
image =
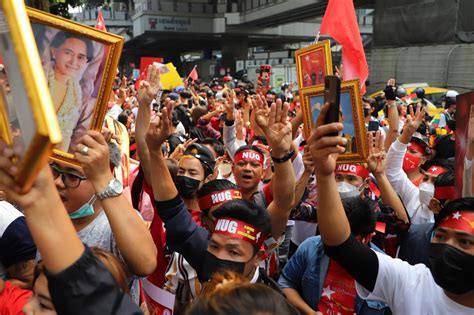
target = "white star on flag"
x: 456, y: 215
x: 306, y: 58
x: 328, y: 292
x: 434, y: 169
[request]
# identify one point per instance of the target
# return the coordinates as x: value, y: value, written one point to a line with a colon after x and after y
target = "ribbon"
x: 239, y: 229
x: 219, y: 197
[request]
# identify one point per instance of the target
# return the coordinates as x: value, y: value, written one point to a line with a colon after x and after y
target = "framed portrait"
x: 79, y: 64
x: 313, y: 64
x: 464, y: 145
x: 350, y: 114
x: 27, y: 120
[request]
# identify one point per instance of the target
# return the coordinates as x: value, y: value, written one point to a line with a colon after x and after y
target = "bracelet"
x: 283, y: 159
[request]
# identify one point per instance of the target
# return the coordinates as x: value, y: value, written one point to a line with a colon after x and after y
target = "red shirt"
x: 339, y: 292
x: 12, y: 299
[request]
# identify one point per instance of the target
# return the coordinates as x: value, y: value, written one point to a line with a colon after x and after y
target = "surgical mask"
x: 347, y: 190
x: 187, y: 186
x: 426, y: 192
x: 86, y: 210
x: 451, y: 268
x: 212, y: 264
x: 411, y: 162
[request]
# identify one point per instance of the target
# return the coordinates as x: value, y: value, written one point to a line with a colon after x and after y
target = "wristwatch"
x: 283, y: 159
x: 113, y: 189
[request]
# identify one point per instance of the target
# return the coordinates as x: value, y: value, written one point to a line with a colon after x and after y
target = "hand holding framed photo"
x: 27, y: 119
x: 350, y: 114
x: 79, y: 64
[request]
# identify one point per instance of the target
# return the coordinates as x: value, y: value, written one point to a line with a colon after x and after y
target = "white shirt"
x: 408, y: 192
x: 410, y: 290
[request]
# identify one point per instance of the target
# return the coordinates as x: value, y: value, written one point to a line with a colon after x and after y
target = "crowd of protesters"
x: 212, y: 192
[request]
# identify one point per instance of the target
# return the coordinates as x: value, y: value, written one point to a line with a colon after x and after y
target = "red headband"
x: 459, y: 220
x: 352, y: 169
x: 249, y: 155
x: 445, y: 193
x: 417, y: 147
x: 239, y: 229
x: 219, y: 197
x: 436, y: 170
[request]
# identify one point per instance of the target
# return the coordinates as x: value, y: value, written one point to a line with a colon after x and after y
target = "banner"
x: 159, y: 301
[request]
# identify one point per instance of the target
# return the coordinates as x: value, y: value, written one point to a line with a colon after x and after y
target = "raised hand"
x: 229, y: 108
x: 181, y: 148
x: 308, y: 161
x: 150, y: 87
x: 159, y: 129
x: 325, y: 149
x: 376, y: 160
x: 275, y: 124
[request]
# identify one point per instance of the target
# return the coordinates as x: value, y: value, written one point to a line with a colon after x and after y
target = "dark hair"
x: 466, y: 204
x: 444, y: 180
x: 198, y: 111
x: 231, y: 294
x: 249, y: 147
x: 216, y: 145
x: 61, y: 37
x: 174, y: 118
x: 361, y: 215
x: 247, y: 212
x: 123, y: 117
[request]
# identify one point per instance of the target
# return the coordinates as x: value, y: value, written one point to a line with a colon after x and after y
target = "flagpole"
x: 195, y: 66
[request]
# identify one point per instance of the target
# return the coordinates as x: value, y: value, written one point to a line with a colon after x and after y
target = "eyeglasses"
x: 70, y: 180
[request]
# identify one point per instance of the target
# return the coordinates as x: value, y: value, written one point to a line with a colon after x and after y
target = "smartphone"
x: 373, y: 126
x: 332, y: 94
x: 264, y: 75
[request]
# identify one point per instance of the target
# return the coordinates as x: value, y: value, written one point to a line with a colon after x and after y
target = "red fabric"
x: 194, y: 74
x: 459, y: 220
x: 219, y: 197
x: 146, y: 61
x: 196, y: 215
x: 100, y: 23
x: 436, y: 170
x: 340, y: 22
x: 353, y: 169
x: 158, y: 234
x: 445, y: 193
x: 339, y: 292
x: 240, y: 230
x: 249, y: 155
x: 267, y: 192
x: 12, y: 299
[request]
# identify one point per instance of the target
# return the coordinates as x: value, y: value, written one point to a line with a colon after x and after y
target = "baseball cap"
x: 204, y: 155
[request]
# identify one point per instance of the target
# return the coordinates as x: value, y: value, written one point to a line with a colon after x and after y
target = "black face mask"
x: 452, y: 269
x: 212, y: 264
x: 366, y: 112
x: 451, y: 123
x: 187, y: 187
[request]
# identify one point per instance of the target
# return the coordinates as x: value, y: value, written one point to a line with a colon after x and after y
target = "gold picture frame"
x: 351, y: 112
x: 27, y: 119
x: 82, y: 62
x: 313, y: 64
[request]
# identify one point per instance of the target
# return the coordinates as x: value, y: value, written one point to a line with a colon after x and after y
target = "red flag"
x: 100, y: 23
x: 194, y: 74
x: 340, y: 22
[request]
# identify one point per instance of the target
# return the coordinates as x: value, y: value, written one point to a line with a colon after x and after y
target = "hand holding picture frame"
x: 79, y: 64
x: 27, y: 119
x: 312, y: 100
x: 313, y: 64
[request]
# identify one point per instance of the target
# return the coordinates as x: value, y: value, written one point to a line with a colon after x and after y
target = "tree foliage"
x: 61, y: 7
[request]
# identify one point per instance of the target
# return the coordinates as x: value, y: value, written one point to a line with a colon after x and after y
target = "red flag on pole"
x: 340, y: 22
x: 100, y: 23
x: 193, y: 74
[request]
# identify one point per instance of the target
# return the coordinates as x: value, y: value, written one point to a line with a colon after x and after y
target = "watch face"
x: 116, y: 186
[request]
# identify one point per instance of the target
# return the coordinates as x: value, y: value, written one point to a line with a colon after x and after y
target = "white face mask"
x: 225, y: 169
x: 347, y: 190
x: 426, y: 193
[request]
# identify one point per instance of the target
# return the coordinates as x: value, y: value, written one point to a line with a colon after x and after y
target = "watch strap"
x: 283, y: 159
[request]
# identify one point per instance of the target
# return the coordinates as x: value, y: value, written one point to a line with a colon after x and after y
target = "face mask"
x: 86, y: 210
x: 347, y: 190
x: 451, y: 268
x: 225, y: 169
x: 212, y: 264
x: 366, y: 112
x: 187, y: 186
x: 426, y: 192
x: 411, y: 162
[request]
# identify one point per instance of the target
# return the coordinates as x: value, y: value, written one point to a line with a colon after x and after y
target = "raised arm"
x: 146, y: 93
x: 277, y: 130
x: 133, y: 239
x: 376, y: 165
x: 392, y: 111
x: 303, y: 181
x: 359, y: 260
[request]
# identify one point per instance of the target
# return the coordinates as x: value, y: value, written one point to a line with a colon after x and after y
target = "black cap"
x: 204, y: 155
x: 186, y: 94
